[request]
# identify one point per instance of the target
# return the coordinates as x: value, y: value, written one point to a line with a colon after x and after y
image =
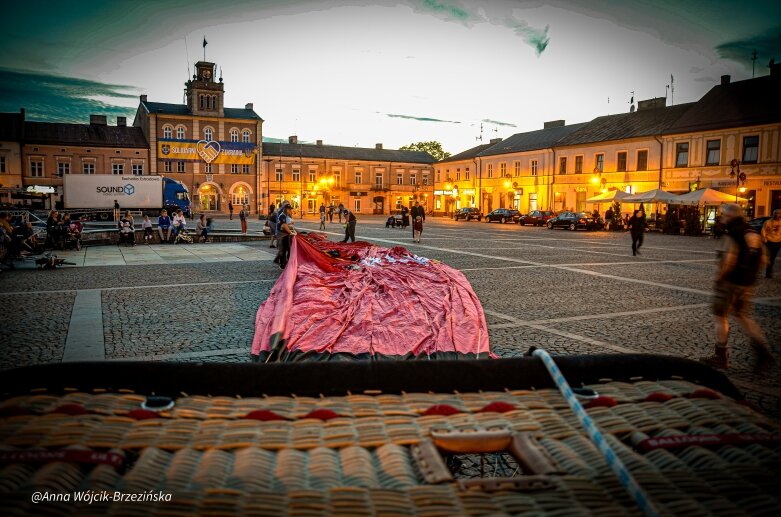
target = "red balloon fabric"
x: 358, y: 300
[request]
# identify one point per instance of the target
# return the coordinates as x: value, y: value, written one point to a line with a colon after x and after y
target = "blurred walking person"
x: 637, y: 229
x: 771, y: 234
x: 742, y: 257
x: 349, y: 226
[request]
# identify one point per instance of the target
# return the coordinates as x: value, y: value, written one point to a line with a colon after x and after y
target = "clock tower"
x: 204, y: 95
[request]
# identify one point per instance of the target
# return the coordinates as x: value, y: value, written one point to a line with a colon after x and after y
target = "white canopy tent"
x: 651, y: 196
x: 607, y: 197
x: 705, y: 196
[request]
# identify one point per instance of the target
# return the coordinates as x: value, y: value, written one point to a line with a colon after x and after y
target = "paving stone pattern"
x: 537, y: 286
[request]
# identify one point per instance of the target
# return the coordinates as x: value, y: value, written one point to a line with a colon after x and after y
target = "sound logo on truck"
x: 130, y: 189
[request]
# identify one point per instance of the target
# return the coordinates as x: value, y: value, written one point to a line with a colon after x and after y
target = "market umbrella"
x: 651, y: 196
x: 612, y: 195
x: 706, y: 196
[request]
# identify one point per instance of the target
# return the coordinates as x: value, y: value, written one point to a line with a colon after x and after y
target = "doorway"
x: 209, y: 198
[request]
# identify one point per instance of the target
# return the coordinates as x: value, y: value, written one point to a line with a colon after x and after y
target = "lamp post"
x: 739, y: 177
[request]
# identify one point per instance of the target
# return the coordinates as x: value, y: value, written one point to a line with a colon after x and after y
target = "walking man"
x: 349, y: 227
x: 230, y: 210
x: 737, y: 273
x: 771, y: 234
x: 637, y: 228
x: 418, y: 211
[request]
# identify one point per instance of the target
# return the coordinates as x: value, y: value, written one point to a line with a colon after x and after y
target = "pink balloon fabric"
x: 360, y: 301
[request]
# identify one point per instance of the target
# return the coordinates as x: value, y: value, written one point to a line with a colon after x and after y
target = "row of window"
x: 208, y: 133
x: 208, y: 168
x: 207, y: 102
x: 37, y: 168
x: 713, y: 151
x: 279, y: 175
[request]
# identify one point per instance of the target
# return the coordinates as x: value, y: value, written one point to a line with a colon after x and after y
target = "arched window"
x: 214, y: 102
x: 202, y: 102
x: 167, y: 132
x: 234, y: 135
x: 180, y: 133
x: 240, y: 196
x: 207, y: 134
x: 245, y: 136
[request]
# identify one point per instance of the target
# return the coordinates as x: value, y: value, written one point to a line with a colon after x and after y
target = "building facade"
x: 11, y: 128
x: 215, y: 151
x: 367, y: 181
x: 456, y: 180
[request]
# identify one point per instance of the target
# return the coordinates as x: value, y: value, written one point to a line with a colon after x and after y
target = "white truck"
x: 96, y: 194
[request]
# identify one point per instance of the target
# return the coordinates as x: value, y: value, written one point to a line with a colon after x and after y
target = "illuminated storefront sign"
x: 207, y: 151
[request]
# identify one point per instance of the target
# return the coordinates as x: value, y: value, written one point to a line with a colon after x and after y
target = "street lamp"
x: 598, y: 179
x: 739, y: 177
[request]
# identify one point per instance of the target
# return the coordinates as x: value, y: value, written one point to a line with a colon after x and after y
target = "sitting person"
x: 202, y: 228
x: 146, y: 225
x: 55, y: 233
x: 127, y: 233
x: 164, y: 227
x: 390, y: 222
x: 179, y: 222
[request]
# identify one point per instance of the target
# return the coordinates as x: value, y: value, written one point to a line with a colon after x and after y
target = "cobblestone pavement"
x: 568, y: 292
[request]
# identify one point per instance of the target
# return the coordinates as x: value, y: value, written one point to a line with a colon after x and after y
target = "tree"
x: 433, y: 148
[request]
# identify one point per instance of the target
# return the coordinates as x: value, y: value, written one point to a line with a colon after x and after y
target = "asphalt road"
x: 568, y: 292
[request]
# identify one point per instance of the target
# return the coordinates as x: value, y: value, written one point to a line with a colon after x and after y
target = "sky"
x: 357, y: 73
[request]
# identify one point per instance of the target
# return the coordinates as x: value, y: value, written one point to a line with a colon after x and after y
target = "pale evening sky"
x: 361, y: 72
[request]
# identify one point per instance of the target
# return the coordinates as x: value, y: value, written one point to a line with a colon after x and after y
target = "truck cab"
x: 176, y: 196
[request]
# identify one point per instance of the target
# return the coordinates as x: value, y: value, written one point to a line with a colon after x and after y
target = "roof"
x: 96, y: 135
x: 532, y: 140
x: 182, y: 110
x: 467, y: 155
x: 743, y: 103
x: 335, y: 152
x: 11, y: 126
x: 645, y: 122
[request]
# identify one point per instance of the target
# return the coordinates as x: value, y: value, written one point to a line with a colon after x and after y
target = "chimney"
x: 320, y: 143
x: 494, y: 140
x: 378, y: 146
x: 292, y: 139
x: 658, y: 102
x: 249, y: 106
x: 121, y: 121
x: 142, y: 97
x: 98, y: 120
x: 725, y: 80
x: 553, y: 123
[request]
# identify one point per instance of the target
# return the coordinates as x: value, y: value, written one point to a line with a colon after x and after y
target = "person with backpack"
x: 740, y: 260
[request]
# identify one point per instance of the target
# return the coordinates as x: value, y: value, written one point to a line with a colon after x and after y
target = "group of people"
x: 17, y: 238
x: 60, y: 228
x: 168, y: 228
x: 418, y: 215
x: 280, y: 222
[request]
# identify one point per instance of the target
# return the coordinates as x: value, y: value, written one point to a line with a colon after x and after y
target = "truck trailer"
x: 96, y: 193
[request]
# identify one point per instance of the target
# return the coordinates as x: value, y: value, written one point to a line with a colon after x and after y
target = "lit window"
x: 714, y: 152
x: 642, y: 160
x: 682, y: 155
x: 621, y: 162
x: 240, y: 196
x: 118, y: 168
x: 750, y: 149
x: 600, y: 162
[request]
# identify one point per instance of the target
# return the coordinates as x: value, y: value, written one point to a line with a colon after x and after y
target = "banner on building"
x: 207, y: 151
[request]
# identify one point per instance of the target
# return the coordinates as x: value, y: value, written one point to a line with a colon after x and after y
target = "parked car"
x: 467, y: 214
x: 758, y: 222
x: 501, y: 214
x: 535, y: 218
x: 575, y: 221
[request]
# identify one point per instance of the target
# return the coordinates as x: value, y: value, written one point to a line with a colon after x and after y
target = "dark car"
x: 501, y: 214
x: 467, y: 214
x: 758, y: 223
x: 535, y: 218
x: 575, y: 221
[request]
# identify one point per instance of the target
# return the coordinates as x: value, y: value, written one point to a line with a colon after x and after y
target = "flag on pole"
x: 671, y: 78
x: 205, y: 42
